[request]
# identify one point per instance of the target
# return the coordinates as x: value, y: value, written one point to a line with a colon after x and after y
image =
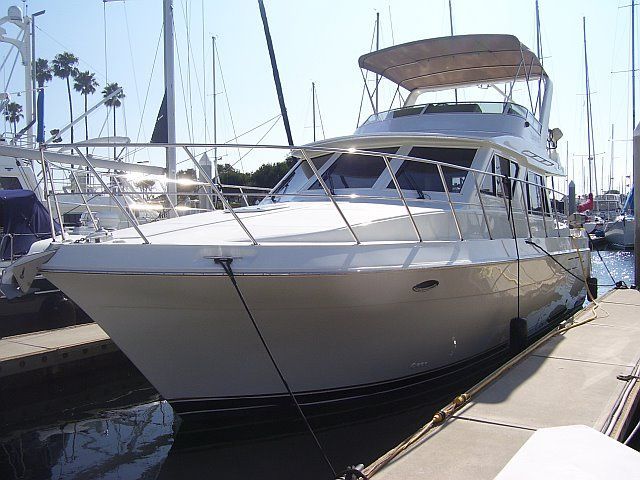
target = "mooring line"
x: 226, y: 265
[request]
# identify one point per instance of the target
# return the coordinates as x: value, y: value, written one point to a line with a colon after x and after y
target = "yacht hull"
x: 335, y: 335
x: 620, y: 233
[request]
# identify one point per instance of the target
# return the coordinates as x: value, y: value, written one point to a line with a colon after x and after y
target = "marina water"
x: 114, y: 425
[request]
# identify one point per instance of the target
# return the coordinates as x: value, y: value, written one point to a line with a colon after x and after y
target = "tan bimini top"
x: 449, y: 62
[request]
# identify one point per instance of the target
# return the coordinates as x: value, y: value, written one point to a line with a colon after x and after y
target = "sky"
x: 318, y: 42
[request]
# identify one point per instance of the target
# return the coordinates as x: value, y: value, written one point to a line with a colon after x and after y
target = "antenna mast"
x: 377, y: 48
x: 215, y: 113
x: 586, y: 77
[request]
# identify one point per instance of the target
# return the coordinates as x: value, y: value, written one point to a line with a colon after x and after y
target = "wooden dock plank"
x: 34, y: 351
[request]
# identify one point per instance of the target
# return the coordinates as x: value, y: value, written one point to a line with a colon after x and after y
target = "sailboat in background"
x: 621, y: 232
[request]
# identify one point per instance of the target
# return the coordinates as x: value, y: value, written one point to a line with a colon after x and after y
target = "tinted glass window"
x: 493, y: 185
x: 535, y: 194
x: 300, y: 175
x: 9, y: 183
x: 424, y: 177
x: 352, y: 170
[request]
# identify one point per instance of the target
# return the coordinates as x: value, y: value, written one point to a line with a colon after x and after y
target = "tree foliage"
x: 13, y: 114
x: 43, y: 72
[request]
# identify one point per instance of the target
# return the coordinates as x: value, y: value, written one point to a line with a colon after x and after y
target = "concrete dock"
x: 51, y: 349
x: 587, y: 375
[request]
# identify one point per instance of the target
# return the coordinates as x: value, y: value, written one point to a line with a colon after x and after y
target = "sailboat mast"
x: 276, y: 75
x: 586, y: 78
x: 313, y: 107
x: 169, y: 86
x: 215, y: 111
x: 455, y: 90
x: 611, y: 165
x: 633, y: 63
x: 377, y: 48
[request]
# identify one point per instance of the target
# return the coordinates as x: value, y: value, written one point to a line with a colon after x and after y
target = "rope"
x: 459, y: 401
x: 260, y: 140
x: 563, y: 267
x: 226, y: 96
x: 602, y: 260
x: 226, y: 265
x: 184, y: 95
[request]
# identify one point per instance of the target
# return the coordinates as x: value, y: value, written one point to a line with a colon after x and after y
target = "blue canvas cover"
x: 24, y: 217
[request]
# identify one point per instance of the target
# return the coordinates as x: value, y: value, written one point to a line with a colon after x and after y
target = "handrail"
x: 219, y: 194
x: 327, y: 191
x: 126, y: 212
x: 452, y: 199
x: 401, y: 195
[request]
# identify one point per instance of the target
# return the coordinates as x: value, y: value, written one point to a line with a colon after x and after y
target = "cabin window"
x: 10, y: 183
x: 496, y: 186
x: 537, y: 195
x: 298, y: 177
x: 424, y: 177
x: 352, y: 170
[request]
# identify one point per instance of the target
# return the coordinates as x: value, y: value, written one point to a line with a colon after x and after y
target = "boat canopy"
x: 24, y: 219
x: 456, y: 61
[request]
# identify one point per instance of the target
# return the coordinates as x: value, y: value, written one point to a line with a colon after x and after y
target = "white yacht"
x: 415, y: 247
x: 620, y: 232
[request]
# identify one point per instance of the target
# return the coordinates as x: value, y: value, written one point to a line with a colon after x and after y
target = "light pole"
x: 33, y: 61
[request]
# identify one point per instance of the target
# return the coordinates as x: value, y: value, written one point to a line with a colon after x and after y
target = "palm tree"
x: 64, y: 66
x: 43, y: 72
x: 85, y: 83
x: 13, y: 114
x: 114, y: 102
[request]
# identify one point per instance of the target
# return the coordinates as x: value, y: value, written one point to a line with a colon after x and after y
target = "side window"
x: 488, y: 184
x: 351, y: 170
x: 493, y: 185
x: 424, y: 177
x: 10, y: 183
x: 297, y: 177
x: 535, y: 194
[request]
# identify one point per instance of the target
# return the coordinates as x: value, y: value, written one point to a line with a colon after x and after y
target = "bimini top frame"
x: 451, y: 62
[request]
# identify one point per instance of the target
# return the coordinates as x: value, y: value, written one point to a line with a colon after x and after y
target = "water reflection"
x: 125, y: 443
x: 618, y: 264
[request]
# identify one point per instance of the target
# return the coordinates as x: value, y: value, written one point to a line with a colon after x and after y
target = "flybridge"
x: 458, y: 61
x: 490, y: 61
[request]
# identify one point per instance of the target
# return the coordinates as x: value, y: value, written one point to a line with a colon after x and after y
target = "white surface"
x: 575, y: 451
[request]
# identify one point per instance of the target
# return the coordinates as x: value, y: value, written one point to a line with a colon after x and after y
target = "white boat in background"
x: 417, y: 246
x: 620, y: 233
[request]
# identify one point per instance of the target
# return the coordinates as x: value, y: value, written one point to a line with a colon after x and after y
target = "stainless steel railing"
x: 304, y: 155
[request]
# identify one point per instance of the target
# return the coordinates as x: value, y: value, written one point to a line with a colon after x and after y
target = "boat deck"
x: 575, y: 378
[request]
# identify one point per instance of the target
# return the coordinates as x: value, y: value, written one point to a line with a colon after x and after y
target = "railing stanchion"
x: 127, y: 213
x: 85, y: 200
x: 554, y: 207
x: 327, y: 191
x: 525, y: 205
x: 224, y: 201
x: 46, y: 196
x: 45, y: 165
x: 453, y: 208
x: 484, y: 212
x: 168, y: 197
x: 401, y: 195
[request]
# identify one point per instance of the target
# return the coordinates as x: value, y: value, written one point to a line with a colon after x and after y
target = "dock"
x: 587, y: 375
x: 52, y: 349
